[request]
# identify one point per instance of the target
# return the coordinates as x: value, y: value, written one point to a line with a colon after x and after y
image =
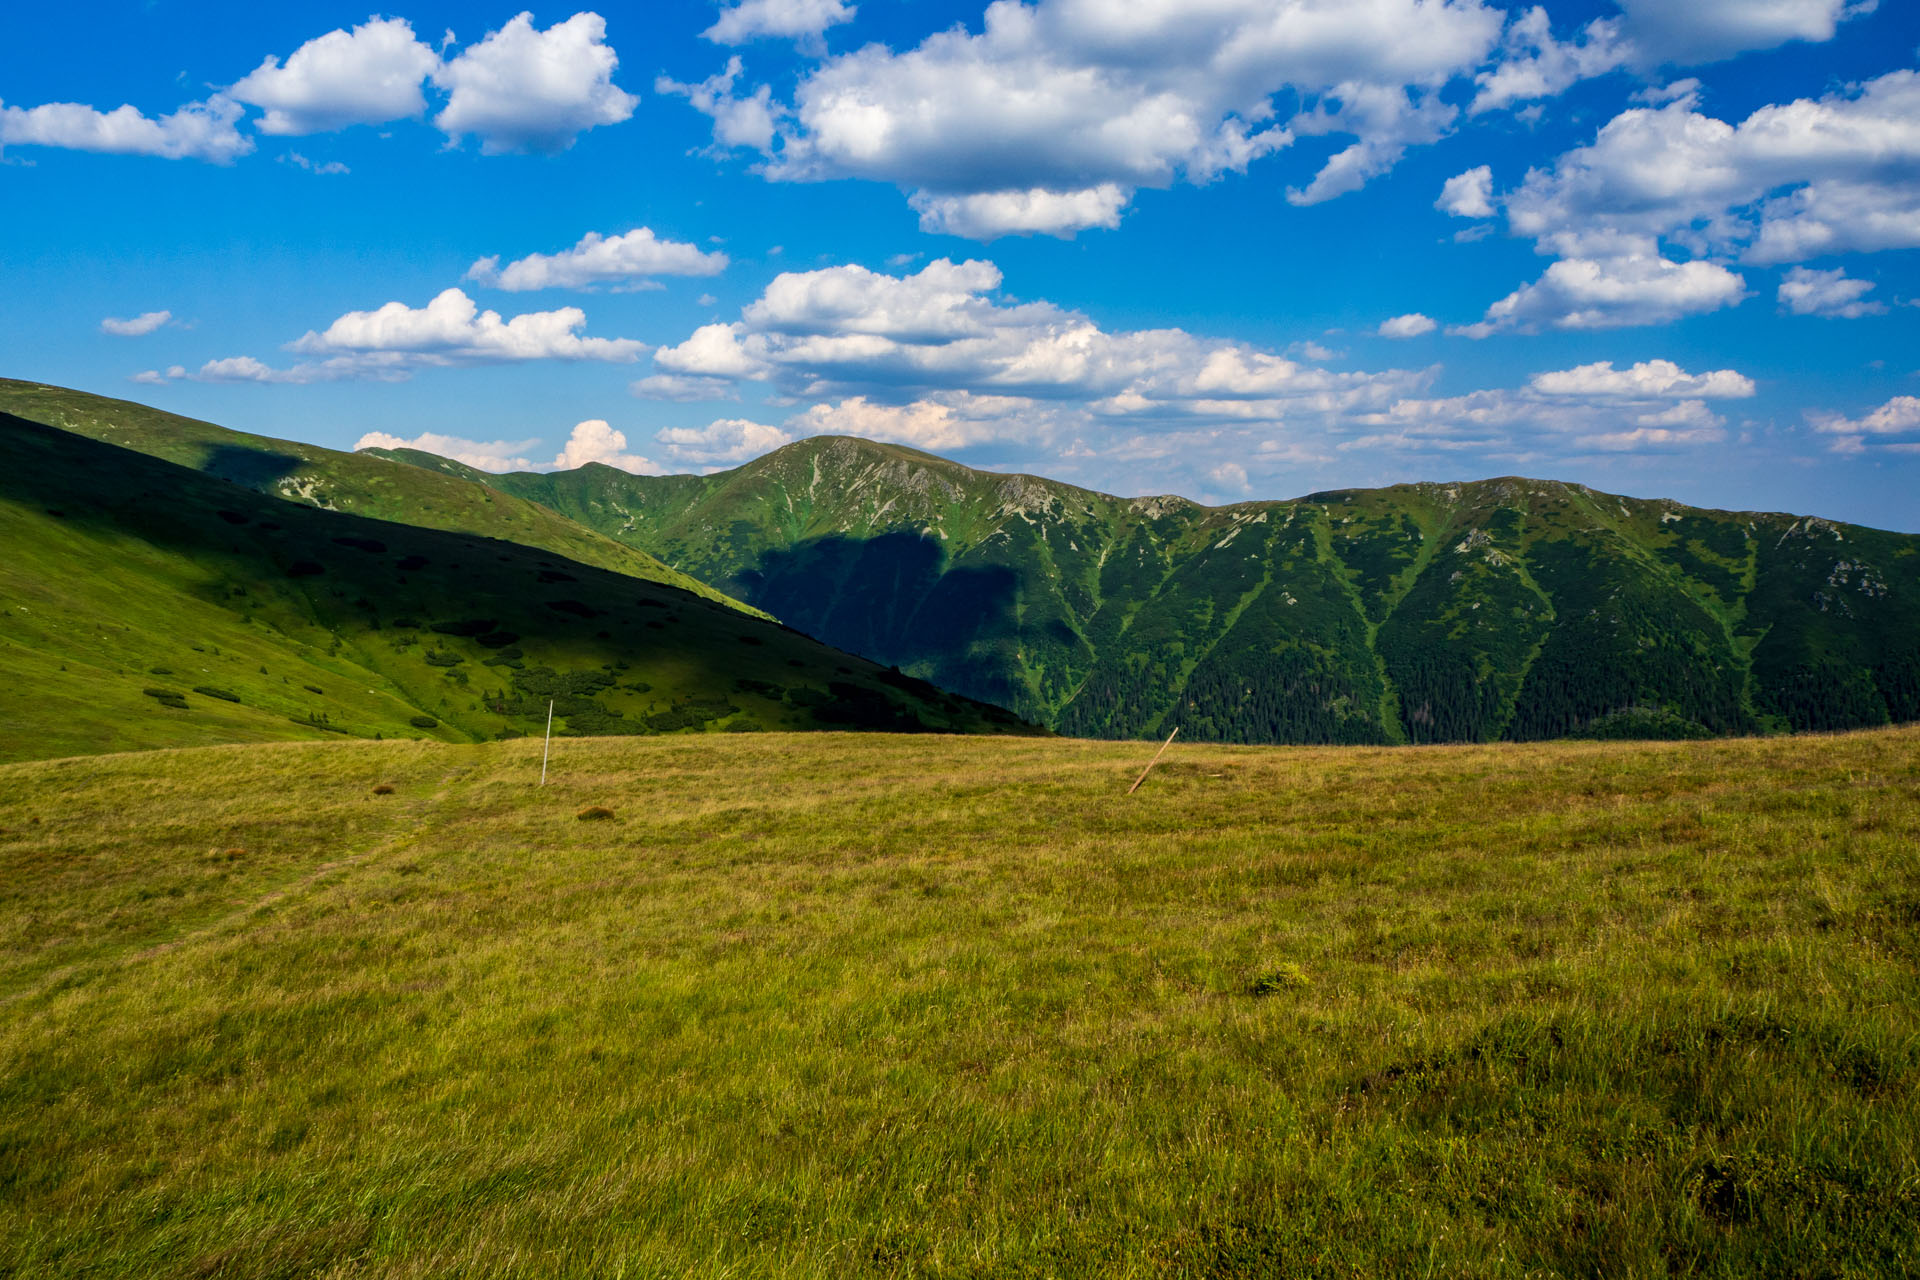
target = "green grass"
x: 839, y: 1005
x: 143, y: 604
x: 360, y: 484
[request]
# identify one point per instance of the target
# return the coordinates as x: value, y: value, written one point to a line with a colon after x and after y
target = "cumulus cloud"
x: 629, y: 261
x: 989, y: 215
x: 1525, y: 423
x: 1049, y: 119
x: 487, y: 455
x: 391, y: 342
x: 1649, y: 379
x: 723, y: 441
x: 1895, y: 425
x: 595, y: 441
x: 938, y: 360
x: 1806, y: 176
x: 1536, y: 65
x: 1788, y: 182
x: 1533, y: 64
x: 802, y: 20
x: 136, y: 327
x: 945, y: 421
x: 590, y: 441
x: 369, y: 75
x: 522, y: 89
x: 1469, y: 194
x: 1833, y: 294
x: 1698, y: 31
x: 452, y: 329
x: 1230, y: 476
x: 1411, y: 325
x: 851, y: 332
x: 197, y: 131
x: 1610, y: 293
x: 737, y: 121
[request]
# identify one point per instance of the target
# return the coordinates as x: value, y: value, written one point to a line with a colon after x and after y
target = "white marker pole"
x: 548, y: 749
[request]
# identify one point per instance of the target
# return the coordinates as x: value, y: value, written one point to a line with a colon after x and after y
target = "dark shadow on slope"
x: 896, y: 599
x: 314, y: 575
x: 252, y: 468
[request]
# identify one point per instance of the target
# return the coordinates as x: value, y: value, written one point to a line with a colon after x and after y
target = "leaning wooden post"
x: 1156, y: 760
x: 548, y: 749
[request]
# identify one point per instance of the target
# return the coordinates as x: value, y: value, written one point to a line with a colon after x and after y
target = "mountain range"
x: 145, y: 603
x: 1498, y: 609
x: 170, y: 581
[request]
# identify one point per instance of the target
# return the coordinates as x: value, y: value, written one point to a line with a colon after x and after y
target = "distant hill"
x: 354, y: 482
x: 145, y: 604
x: 1510, y: 608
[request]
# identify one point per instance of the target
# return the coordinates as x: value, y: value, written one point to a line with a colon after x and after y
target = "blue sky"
x: 1224, y: 248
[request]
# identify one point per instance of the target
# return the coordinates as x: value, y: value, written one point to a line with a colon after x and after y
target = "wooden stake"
x: 1156, y: 760
x: 548, y: 750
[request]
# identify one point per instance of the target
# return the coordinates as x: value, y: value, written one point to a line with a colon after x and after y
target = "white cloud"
x: 451, y: 329
x: 1792, y: 179
x: 590, y: 441
x: 1609, y: 293
x: 1411, y: 325
x: 595, y: 441
x: 1806, y: 292
x: 1649, y: 379
x: 489, y: 455
x: 1894, y: 425
x: 1469, y: 194
x: 328, y: 169
x: 1525, y: 423
x: 369, y: 75
x: 682, y: 387
x: 1230, y: 476
x: 802, y: 20
x: 248, y: 369
x: 1538, y: 66
x: 522, y: 89
x: 987, y: 215
x: 137, y: 327
x: 1695, y: 31
x: 937, y: 359
x: 197, y: 131
x: 630, y: 260
x: 1049, y: 118
x: 389, y: 343
x: 725, y: 440
x: 737, y: 121
x: 952, y: 420
x: 934, y: 359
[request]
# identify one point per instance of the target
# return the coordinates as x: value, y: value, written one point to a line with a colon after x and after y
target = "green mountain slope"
x: 1521, y: 609
x: 145, y: 604
x: 356, y: 482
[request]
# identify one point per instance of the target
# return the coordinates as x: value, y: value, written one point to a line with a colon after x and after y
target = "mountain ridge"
x: 1557, y: 608
x: 361, y: 483
x: 146, y: 604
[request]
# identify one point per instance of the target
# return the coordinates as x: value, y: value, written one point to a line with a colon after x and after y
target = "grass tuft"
x: 1287, y: 977
x: 595, y: 813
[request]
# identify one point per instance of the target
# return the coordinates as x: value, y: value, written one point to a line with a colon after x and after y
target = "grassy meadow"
x: 835, y: 1005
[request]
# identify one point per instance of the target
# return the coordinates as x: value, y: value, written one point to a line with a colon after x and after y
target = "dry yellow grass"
x: 829, y: 1005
